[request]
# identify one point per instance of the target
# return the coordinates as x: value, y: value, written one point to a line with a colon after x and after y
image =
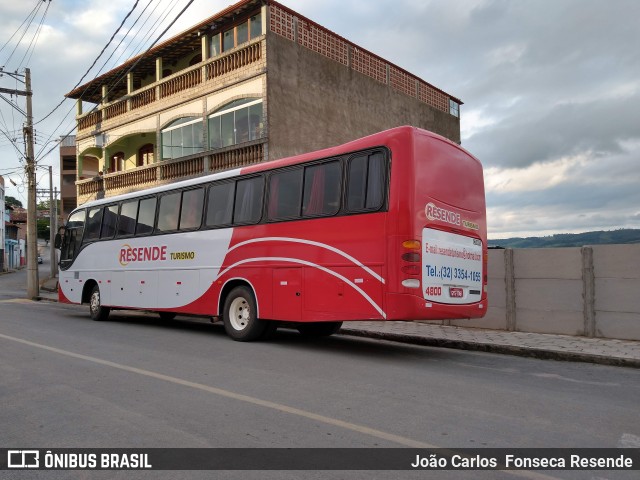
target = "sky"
x: 551, y: 88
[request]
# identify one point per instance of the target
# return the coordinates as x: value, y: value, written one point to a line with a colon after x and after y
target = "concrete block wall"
x: 617, y: 291
x: 588, y: 291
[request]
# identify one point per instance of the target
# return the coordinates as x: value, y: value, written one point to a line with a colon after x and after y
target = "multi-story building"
x: 68, y: 175
x: 254, y: 82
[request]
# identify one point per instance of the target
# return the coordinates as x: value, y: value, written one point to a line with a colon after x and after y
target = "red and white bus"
x: 388, y: 227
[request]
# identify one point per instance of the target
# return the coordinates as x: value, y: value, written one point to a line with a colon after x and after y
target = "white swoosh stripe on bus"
x: 311, y: 242
x: 314, y: 265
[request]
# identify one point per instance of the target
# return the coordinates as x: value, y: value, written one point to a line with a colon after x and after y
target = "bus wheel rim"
x: 95, y: 301
x: 239, y: 313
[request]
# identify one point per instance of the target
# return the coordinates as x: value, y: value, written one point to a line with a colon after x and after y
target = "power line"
x: 123, y: 75
x: 94, y: 62
x: 155, y: 25
x: 34, y: 40
x: 30, y: 19
x: 37, y: 6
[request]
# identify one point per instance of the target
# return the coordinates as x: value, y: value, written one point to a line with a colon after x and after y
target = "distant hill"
x: 621, y: 236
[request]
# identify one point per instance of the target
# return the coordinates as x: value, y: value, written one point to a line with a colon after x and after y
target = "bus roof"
x: 376, y: 139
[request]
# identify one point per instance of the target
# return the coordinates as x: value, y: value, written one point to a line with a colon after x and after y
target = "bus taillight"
x: 411, y: 257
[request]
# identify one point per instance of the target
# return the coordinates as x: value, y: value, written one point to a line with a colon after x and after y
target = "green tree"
x: 14, y: 202
x: 43, y: 229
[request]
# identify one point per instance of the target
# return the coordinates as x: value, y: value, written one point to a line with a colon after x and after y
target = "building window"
x: 228, y: 40
x: 454, y: 108
x: 145, y: 155
x: 241, y: 33
x: 216, y: 48
x: 182, y: 137
x: 237, y: 122
x: 255, y: 26
x: 116, y: 162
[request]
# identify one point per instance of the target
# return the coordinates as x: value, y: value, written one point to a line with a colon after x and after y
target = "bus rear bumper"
x: 402, y: 306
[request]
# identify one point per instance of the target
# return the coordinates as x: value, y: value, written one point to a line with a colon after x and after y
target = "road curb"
x: 495, y: 348
x: 520, y: 351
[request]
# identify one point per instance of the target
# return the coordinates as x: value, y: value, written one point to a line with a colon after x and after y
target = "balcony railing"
x: 181, y: 81
x: 144, y: 98
x: 131, y: 178
x: 168, y: 171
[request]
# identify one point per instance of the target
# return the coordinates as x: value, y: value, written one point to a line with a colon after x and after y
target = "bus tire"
x: 318, y: 329
x: 96, y: 310
x: 240, y: 316
x: 167, y: 316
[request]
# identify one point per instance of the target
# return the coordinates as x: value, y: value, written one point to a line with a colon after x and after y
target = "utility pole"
x: 52, y: 224
x: 33, y: 287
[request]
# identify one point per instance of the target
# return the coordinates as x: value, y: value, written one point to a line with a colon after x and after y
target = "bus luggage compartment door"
x: 287, y: 293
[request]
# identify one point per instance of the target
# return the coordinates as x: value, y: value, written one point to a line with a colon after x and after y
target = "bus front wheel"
x: 96, y: 310
x: 241, y: 316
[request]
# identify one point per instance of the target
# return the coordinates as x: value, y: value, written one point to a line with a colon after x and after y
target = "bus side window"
x: 169, y: 212
x: 92, y: 228
x: 127, y: 218
x: 285, y: 192
x: 72, y: 236
x: 109, y: 219
x: 146, y: 216
x: 248, y: 204
x: 220, y: 204
x: 191, y: 211
x: 322, y: 189
x: 365, y: 189
x: 375, y: 181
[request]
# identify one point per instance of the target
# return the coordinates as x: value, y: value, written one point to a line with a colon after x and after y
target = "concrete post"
x: 510, y: 285
x: 588, y: 292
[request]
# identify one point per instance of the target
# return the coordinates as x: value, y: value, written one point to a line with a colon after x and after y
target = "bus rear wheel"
x: 240, y: 316
x: 318, y: 329
x: 96, y: 310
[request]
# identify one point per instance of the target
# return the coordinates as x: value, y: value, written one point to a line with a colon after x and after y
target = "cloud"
x: 551, y: 89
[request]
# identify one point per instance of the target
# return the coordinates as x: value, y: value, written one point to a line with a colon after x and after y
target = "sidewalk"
x: 539, y: 345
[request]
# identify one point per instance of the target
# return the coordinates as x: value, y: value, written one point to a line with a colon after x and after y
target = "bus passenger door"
x: 287, y: 293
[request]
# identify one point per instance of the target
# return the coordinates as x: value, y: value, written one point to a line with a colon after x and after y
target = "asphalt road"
x: 136, y: 381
